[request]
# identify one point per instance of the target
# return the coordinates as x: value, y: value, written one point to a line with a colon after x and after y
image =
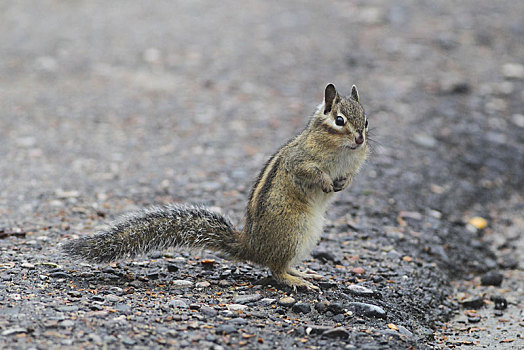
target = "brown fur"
x: 285, y: 211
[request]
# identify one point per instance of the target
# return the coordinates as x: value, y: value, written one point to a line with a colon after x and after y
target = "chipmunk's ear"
x: 329, y: 97
x: 354, y: 93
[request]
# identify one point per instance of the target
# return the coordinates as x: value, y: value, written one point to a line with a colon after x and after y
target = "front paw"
x: 326, y: 183
x: 339, y: 184
x: 327, y: 187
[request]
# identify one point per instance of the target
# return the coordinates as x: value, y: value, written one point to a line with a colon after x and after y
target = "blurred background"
x: 101, y: 96
x: 106, y: 106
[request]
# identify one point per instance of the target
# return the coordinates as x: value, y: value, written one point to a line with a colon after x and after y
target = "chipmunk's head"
x: 343, y: 118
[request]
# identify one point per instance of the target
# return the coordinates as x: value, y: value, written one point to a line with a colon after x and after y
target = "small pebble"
x: 237, y: 307
x: 425, y: 140
x: 316, y: 329
x: 473, y: 319
x: 59, y: 275
x: 66, y: 324
x: 112, y: 298
x: 403, y: 330
x: 358, y: 271
x: 500, y: 302
x: 478, y: 222
x: 473, y: 303
x: 338, y: 333
x: 154, y: 275
x: 178, y: 304
x: 194, y: 306
x: 208, y: 311
x: 335, y: 308
x: 182, y: 284
x: 224, y: 283
x: 369, y: 310
x: 287, y: 301
x: 513, y: 71
x: 302, y: 308
x: 226, y: 329
x: 266, y: 302
x: 15, y: 330
x: 203, y: 284
x: 339, y: 318
x: 74, y: 294
x: 246, y: 299
x: 492, y: 278
x: 127, y: 340
x: 322, y: 306
x: 172, y: 268
x: 359, y: 290
x: 324, y: 256
x: 518, y: 120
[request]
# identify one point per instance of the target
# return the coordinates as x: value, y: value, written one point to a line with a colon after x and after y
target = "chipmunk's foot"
x: 308, y: 274
x: 294, y: 281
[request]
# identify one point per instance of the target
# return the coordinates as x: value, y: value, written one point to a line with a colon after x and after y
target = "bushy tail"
x: 158, y: 228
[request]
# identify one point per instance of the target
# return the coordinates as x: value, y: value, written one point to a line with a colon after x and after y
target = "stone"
x: 339, y: 318
x: 237, y: 307
x: 246, y: 299
x: 474, y: 319
x: 153, y: 275
x: 15, y: 330
x: 301, y: 308
x: 172, y: 268
x: 203, y: 284
x: 324, y: 256
x: 369, y: 310
x: 473, y: 303
x: 358, y: 271
x: 287, y: 301
x: 404, y: 331
x: 66, y: 324
x: 123, y: 308
x: 127, y: 340
x: 74, y: 294
x: 492, y: 278
x: 180, y: 304
x: 321, y: 306
x: 425, y: 140
x: 112, y: 298
x: 208, y: 311
x: 182, y: 284
x: 59, y: 274
x: 500, y: 302
x: 518, y: 120
x: 226, y: 329
x: 27, y: 265
x: 335, y: 308
x: 266, y: 301
x: 336, y: 333
x: 513, y: 71
x: 316, y: 329
x: 359, y: 290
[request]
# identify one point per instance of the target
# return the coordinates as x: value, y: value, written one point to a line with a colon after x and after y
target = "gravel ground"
x: 112, y: 106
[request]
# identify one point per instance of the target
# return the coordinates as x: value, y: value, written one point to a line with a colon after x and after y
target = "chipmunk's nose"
x: 360, y: 139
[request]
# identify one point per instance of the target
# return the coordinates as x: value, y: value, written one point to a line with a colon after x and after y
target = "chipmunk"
x: 286, y: 207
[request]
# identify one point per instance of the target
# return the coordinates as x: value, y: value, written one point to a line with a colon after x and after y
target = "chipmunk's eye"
x: 366, y: 124
x: 340, y: 121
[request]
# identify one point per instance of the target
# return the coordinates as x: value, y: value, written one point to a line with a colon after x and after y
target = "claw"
x: 294, y: 281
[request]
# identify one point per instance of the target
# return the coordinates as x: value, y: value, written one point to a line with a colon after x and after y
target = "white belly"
x: 315, y: 226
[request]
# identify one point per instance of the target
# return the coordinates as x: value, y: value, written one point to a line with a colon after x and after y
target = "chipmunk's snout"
x: 360, y: 139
